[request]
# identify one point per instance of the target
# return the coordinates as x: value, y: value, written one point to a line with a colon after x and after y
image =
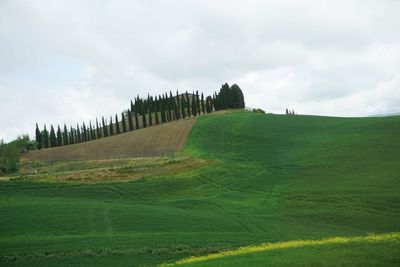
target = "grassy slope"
x: 274, y: 178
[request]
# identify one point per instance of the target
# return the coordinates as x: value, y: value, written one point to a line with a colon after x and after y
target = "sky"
x: 72, y: 61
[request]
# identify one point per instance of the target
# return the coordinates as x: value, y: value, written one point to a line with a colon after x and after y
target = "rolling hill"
x: 243, y: 179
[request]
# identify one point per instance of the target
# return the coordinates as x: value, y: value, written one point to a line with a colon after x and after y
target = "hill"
x: 160, y: 140
x: 267, y: 179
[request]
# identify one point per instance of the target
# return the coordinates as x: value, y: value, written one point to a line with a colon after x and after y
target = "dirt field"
x: 160, y: 140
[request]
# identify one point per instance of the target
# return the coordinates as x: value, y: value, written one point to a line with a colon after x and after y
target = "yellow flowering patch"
x: 292, y: 244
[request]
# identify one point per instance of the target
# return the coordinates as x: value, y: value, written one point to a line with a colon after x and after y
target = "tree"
x: 84, y: 133
x: 198, y: 103
x: 156, y: 105
x: 136, y: 120
x: 105, y: 133
x: 117, y: 124
x: 98, y: 131
x: 237, y: 96
x: 183, y: 107
x: 187, y: 104
x: 162, y: 106
x: 178, y: 106
x: 65, y: 135
x: 38, y: 137
x: 124, y: 123
x: 53, y: 139
x: 194, y: 105
x: 78, y: 134
x: 130, y: 120
x: 150, y: 107
x: 91, y: 132
x: 208, y: 104
x: 46, y: 141
x: 59, y: 136
x: 203, y: 106
x: 71, y: 135
x: 144, y: 114
x: 111, y: 126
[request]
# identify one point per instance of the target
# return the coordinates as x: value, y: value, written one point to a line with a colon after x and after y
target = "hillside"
x: 260, y: 179
x: 160, y: 140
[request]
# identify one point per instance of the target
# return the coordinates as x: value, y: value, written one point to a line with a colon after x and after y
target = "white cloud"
x: 75, y: 60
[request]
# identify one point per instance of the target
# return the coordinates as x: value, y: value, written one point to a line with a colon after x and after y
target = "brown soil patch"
x: 160, y: 140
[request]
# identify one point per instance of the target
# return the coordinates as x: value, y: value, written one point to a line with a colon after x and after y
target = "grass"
x: 372, y: 250
x: 267, y: 179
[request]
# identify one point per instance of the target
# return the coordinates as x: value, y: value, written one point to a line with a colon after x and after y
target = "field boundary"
x: 372, y: 238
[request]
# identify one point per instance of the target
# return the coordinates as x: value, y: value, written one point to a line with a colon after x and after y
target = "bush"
x: 10, y: 153
x: 258, y: 110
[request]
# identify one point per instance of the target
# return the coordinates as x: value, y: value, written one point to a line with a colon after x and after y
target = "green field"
x: 268, y: 178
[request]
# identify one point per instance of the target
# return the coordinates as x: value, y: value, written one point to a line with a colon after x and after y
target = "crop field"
x: 244, y: 181
x: 160, y: 140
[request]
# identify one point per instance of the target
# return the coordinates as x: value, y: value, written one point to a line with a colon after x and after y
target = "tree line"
x: 143, y: 112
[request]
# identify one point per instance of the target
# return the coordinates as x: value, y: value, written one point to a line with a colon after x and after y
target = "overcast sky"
x: 72, y: 61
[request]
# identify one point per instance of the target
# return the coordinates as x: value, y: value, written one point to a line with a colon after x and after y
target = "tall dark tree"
x: 208, y: 104
x: 91, y: 131
x: 156, y: 105
x: 198, y: 103
x: 117, y: 124
x: 144, y: 108
x: 187, y: 100
x: 203, y: 105
x: 65, y: 136
x: 71, y: 135
x: 183, y: 106
x: 46, y: 141
x: 124, y: 122
x: 111, y: 126
x: 150, y: 108
x: 53, y: 139
x: 130, y: 120
x: 136, y: 120
x: 84, y: 133
x: 98, y: 131
x: 237, y: 96
x: 162, y: 108
x: 38, y: 137
x: 105, y: 132
x: 59, y: 136
x: 78, y: 134
x: 194, y: 105
x: 178, y: 106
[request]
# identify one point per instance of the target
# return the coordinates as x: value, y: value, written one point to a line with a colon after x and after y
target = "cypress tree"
x: 156, y: 110
x: 98, y: 131
x: 53, y: 139
x: 84, y: 132
x: 124, y: 122
x: 194, y: 105
x: 132, y: 107
x: 111, y: 126
x: 203, y: 107
x: 162, y: 105
x: 198, y: 103
x: 136, y: 120
x: 168, y: 105
x: 91, y: 131
x: 117, y: 129
x: 130, y: 120
x: 188, y: 104
x: 46, y: 141
x: 71, y: 135
x: 183, y: 104
x: 178, y: 106
x: 150, y: 106
x: 38, y: 137
x: 143, y: 108
x: 78, y: 134
x: 105, y: 133
x: 59, y: 136
x: 208, y: 106
x: 65, y: 135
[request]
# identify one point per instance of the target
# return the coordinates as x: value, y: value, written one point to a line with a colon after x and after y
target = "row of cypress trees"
x: 143, y: 112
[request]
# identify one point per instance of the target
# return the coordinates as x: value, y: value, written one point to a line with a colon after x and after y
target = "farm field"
x: 242, y: 179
